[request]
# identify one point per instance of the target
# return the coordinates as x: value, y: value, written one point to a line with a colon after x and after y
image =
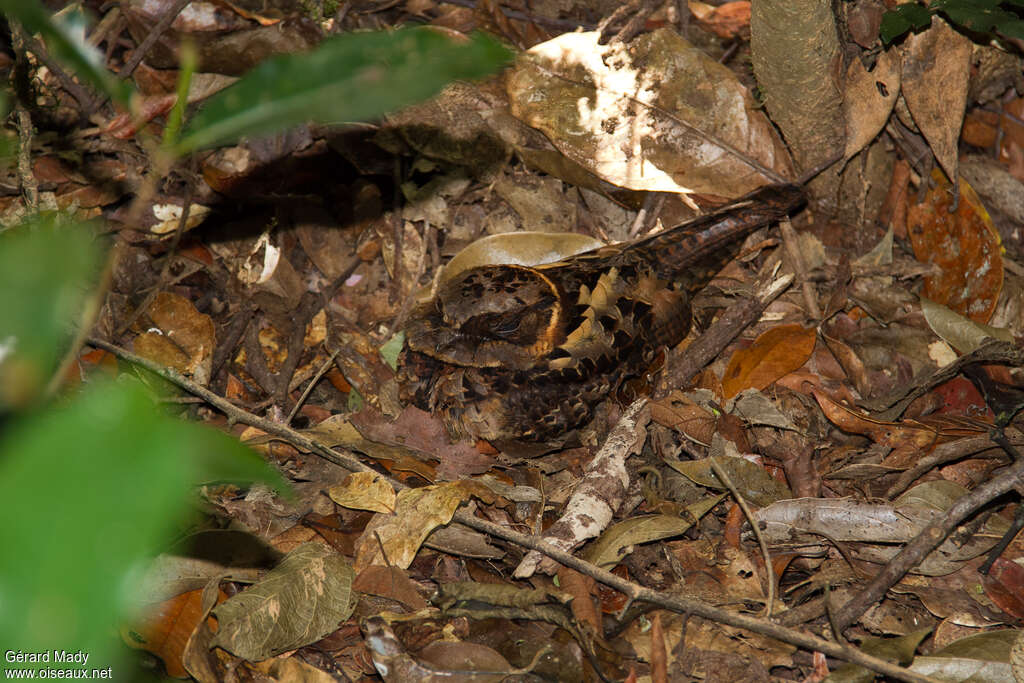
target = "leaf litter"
x: 288, y: 286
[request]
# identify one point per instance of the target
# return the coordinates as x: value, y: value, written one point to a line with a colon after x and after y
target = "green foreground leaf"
x: 65, y: 38
x: 46, y: 267
x: 352, y: 77
x: 91, y: 489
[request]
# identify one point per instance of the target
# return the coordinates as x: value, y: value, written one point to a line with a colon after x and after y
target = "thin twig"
x: 940, y: 455
x: 637, y: 593
x: 81, y: 94
x: 236, y: 414
x: 742, y: 502
x: 26, y: 178
x: 169, y: 15
x: 309, y: 387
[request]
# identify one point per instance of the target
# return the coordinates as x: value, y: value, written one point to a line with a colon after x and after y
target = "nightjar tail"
x: 691, y: 254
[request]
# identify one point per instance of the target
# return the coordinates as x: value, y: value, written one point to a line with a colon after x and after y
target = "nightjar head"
x: 491, y: 316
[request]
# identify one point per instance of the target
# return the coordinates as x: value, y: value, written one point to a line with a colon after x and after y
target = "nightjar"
x: 508, y: 351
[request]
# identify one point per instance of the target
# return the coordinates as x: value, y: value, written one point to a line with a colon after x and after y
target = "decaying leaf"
x: 964, y: 245
x: 752, y: 481
x: 395, y: 538
x: 936, y: 66
x: 617, y: 541
x: 298, y: 602
x: 657, y: 116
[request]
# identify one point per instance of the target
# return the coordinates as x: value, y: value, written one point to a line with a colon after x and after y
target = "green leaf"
x: 391, y: 348
x: 46, y: 266
x: 904, y: 18
x: 981, y: 19
x: 65, y: 38
x: 1012, y: 29
x: 91, y: 489
x: 351, y: 77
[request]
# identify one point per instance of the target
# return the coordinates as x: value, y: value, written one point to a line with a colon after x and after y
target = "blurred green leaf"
x: 91, y: 489
x: 903, y: 18
x: 351, y: 77
x: 65, y: 38
x: 46, y: 267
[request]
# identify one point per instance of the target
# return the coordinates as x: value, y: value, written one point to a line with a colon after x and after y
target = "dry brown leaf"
x: 389, y: 582
x: 936, y: 67
x: 165, y: 627
x: 868, y: 99
x: 729, y: 20
x: 677, y: 411
x: 184, y: 338
x: 364, y: 491
x: 773, y: 355
x: 394, y: 539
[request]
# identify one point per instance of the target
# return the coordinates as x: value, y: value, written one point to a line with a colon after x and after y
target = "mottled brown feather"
x: 518, y: 352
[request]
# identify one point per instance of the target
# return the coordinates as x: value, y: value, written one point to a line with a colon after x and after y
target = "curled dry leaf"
x: 164, y: 628
x: 908, y: 439
x: 607, y: 108
x: 520, y: 248
x: 936, y: 68
x: 961, y: 333
x: 964, y: 245
x: 730, y: 20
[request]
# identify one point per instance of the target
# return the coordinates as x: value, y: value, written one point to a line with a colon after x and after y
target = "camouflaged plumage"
x: 512, y: 351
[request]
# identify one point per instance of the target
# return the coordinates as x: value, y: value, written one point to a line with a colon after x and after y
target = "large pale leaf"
x: 656, y: 115
x: 298, y: 602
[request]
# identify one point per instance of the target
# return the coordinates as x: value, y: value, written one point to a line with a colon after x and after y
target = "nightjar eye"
x: 506, y: 327
x: 500, y: 326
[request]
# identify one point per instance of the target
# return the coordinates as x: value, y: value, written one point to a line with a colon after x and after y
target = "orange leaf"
x: 165, y: 627
x: 773, y: 355
x: 1004, y: 585
x: 964, y: 245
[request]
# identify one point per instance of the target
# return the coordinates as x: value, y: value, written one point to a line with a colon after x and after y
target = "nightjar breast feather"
x: 509, y: 351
